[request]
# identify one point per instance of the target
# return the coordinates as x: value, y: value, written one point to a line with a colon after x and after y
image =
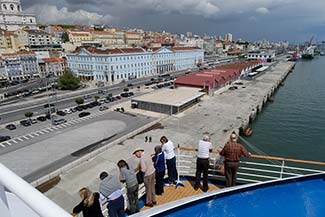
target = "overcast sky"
x: 293, y: 20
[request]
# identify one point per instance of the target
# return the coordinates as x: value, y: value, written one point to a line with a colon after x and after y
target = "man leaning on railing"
x: 110, y: 189
x: 232, y: 153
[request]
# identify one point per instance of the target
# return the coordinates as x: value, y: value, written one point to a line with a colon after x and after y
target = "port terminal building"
x: 168, y: 101
x: 214, y: 78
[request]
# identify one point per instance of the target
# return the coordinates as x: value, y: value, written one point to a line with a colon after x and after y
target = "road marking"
x: 41, y: 132
x: 45, y: 131
x: 60, y: 126
x: 35, y: 134
x: 25, y: 137
x: 20, y: 139
x: 2, y: 145
x: 51, y: 129
x: 30, y: 135
x: 56, y: 128
x: 14, y: 141
x: 8, y: 143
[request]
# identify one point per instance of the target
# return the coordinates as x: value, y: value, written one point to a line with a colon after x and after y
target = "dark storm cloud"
x: 248, y: 19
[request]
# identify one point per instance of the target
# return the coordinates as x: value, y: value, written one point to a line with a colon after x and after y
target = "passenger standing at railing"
x: 202, y: 163
x: 232, y: 153
x: 168, y: 148
x: 159, y: 164
x: 110, y: 189
x: 147, y: 167
x: 89, y: 206
x: 128, y: 176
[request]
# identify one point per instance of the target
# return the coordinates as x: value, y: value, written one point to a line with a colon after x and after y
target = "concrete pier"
x: 226, y: 111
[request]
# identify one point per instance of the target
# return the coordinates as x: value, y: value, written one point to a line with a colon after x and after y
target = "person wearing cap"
x: 232, y: 153
x: 202, y: 162
x: 146, y: 166
x: 168, y: 148
x: 110, y: 189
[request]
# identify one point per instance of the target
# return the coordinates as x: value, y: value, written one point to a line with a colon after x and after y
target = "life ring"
x: 248, y: 132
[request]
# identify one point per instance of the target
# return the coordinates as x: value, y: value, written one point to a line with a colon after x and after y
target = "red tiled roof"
x: 18, y: 53
x: 184, y: 48
x: 115, y: 51
x: 216, y: 76
x: 53, y: 60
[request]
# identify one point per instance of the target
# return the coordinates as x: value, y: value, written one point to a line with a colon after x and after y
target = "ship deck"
x: 173, y: 193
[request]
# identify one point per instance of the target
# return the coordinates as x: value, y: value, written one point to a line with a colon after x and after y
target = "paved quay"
x: 218, y: 115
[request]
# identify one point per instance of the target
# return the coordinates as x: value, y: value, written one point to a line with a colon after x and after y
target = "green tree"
x: 79, y: 101
x: 68, y: 81
x: 65, y: 37
x: 96, y: 98
x: 29, y: 115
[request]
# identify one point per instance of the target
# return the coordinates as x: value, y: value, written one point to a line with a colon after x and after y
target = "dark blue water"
x: 298, y: 199
x: 294, y: 124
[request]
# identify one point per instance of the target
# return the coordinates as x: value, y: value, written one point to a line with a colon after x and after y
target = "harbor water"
x: 294, y: 124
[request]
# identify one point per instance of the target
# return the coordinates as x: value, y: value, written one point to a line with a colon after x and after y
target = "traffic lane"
x: 61, y: 105
x: 21, y: 130
x: 60, y: 98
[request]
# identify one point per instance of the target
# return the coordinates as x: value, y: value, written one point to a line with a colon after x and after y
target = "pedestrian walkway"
x: 51, y: 129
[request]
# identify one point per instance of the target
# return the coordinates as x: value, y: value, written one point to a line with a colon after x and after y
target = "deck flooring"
x: 171, y: 193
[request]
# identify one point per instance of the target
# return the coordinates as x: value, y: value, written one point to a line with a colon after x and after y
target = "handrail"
x: 29, y: 195
x: 267, y: 157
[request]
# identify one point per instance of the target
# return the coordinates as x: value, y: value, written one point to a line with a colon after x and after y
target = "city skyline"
x: 275, y: 20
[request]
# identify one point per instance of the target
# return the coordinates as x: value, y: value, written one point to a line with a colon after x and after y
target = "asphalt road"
x: 46, y: 152
x: 21, y: 130
x: 14, y: 112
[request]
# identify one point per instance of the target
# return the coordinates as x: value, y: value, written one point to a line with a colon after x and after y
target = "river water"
x: 294, y: 124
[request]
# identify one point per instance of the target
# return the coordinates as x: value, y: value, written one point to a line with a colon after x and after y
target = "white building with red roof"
x: 21, y: 65
x: 114, y: 65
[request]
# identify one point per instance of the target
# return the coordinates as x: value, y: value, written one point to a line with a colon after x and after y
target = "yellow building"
x: 12, y: 40
x: 133, y: 38
x: 79, y: 36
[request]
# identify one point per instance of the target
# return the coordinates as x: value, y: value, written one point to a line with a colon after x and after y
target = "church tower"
x: 12, y: 16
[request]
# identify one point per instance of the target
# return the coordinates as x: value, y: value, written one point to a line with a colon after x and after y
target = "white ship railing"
x: 18, y: 198
x: 258, y: 168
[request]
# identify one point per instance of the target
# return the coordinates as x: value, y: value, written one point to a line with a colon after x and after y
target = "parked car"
x: 118, y: 97
x: 131, y: 94
x: 67, y: 111
x: 78, y: 108
x: 73, y: 110
x: 33, y: 121
x: 130, y: 85
x: 11, y: 127
x: 87, y: 96
x: 124, y: 95
x: 41, y: 118
x: 103, y: 108
x: 25, y: 123
x: 61, y: 113
x: 59, y: 121
x: 84, y: 107
x: 83, y: 114
x: 89, y: 105
x: 4, y: 138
